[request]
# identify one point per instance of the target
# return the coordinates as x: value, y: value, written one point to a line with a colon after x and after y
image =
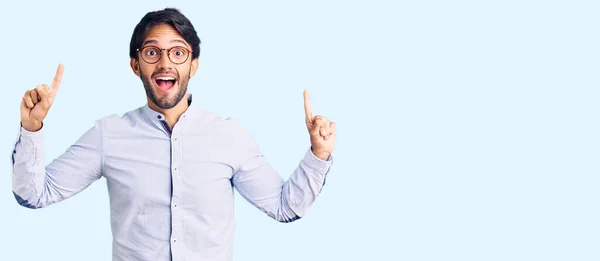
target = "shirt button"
x: 175, y: 138
x: 159, y: 116
x: 174, y: 240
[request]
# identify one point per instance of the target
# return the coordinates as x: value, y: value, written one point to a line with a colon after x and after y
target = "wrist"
x: 31, y: 126
x: 322, y: 155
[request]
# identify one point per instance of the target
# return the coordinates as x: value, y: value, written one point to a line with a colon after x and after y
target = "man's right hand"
x: 37, y: 102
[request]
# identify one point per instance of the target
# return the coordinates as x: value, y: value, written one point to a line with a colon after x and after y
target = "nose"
x: 165, y: 62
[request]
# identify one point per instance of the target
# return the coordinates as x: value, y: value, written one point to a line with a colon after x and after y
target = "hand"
x: 321, y: 130
x: 37, y: 102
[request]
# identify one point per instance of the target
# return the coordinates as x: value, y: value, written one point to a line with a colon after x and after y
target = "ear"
x: 194, y: 67
x: 135, y: 66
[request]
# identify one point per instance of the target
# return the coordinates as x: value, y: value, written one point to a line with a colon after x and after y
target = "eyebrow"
x: 173, y: 41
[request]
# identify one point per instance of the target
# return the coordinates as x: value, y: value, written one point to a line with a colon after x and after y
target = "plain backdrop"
x: 467, y: 130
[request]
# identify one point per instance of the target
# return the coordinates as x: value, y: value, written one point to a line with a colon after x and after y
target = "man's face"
x: 165, y: 81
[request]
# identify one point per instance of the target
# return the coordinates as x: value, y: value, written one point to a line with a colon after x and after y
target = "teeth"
x: 165, y: 78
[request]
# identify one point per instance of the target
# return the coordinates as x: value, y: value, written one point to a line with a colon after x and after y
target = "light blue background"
x: 466, y: 130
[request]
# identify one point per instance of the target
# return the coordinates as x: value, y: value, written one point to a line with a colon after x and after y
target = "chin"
x: 169, y: 99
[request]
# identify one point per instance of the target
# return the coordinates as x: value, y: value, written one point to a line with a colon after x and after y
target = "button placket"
x: 176, y: 157
x: 176, y: 181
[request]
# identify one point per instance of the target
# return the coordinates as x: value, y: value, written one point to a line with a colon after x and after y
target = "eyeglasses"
x: 153, y: 54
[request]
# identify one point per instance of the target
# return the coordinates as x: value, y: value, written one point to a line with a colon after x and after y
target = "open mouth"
x: 165, y: 83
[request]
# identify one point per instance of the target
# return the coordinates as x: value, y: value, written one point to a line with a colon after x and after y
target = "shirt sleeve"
x: 36, y: 185
x: 261, y: 185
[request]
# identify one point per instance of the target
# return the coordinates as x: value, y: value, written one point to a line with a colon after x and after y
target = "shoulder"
x: 230, y: 128
x: 115, y: 121
x: 220, y: 123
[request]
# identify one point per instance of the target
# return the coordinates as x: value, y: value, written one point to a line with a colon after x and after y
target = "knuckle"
x: 322, y: 118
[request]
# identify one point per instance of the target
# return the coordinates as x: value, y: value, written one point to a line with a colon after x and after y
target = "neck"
x: 171, y: 115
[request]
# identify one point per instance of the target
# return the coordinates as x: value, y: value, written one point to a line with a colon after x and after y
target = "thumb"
x: 45, y: 98
x: 315, y: 126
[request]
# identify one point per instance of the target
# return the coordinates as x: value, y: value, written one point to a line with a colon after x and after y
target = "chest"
x: 155, y: 169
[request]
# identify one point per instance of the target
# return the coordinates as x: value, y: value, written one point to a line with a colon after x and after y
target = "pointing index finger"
x: 307, y: 106
x: 57, y: 78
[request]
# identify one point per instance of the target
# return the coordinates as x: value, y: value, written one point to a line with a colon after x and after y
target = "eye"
x: 151, y: 51
x: 179, y: 52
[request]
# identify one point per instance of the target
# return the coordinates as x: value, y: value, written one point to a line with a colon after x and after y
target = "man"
x: 170, y: 167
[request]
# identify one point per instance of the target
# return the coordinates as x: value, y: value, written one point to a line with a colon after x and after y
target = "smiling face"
x: 165, y: 80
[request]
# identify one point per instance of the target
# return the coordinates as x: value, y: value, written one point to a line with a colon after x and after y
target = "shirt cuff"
x: 318, y: 165
x: 31, y: 136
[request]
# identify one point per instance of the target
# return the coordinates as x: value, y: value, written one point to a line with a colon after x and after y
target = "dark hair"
x: 169, y: 16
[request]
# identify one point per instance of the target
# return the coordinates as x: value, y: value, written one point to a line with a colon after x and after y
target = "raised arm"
x: 36, y: 185
x: 289, y: 200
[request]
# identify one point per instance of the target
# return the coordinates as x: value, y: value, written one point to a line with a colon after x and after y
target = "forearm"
x: 29, y: 173
x: 288, y: 200
x: 37, y: 185
x: 305, y: 184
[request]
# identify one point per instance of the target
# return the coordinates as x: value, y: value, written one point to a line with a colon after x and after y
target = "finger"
x: 27, y: 99
x: 35, y: 98
x: 24, y: 108
x: 323, y: 130
x: 315, y: 129
x: 42, y: 91
x: 319, y: 120
x: 307, y: 107
x: 57, y: 79
x: 332, y: 128
x: 44, y: 95
x: 323, y: 124
x: 330, y: 131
